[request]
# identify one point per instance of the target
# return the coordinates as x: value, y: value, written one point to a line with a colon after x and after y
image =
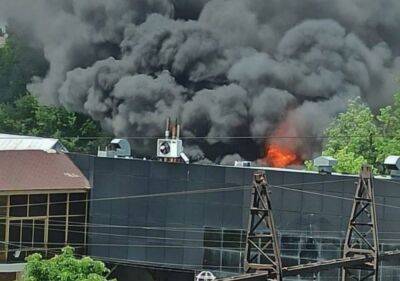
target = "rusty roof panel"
x: 34, y: 170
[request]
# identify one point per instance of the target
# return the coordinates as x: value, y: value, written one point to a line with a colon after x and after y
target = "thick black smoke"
x: 225, y: 68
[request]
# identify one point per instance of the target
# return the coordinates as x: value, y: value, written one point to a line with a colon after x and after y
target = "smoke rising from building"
x: 223, y: 67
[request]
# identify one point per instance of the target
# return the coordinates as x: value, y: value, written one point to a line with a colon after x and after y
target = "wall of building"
x: 208, y: 229
x: 43, y: 223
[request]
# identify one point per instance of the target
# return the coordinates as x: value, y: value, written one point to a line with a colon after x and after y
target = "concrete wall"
x: 207, y: 229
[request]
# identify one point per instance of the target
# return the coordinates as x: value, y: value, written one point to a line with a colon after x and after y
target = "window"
x: 37, y: 205
x: 38, y: 233
x: 223, y: 249
x: 57, y: 232
x: 77, y: 204
x: 26, y: 237
x: 76, y: 230
x: 309, y: 251
x: 18, y: 205
x: 233, y: 240
x: 3, y: 206
x: 212, y: 237
x: 60, y: 217
x: 58, y: 204
x: 2, y: 238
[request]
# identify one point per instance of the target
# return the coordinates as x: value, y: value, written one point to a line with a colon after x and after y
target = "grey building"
x: 130, y: 221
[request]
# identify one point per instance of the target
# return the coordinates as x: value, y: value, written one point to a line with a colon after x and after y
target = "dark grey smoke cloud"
x: 223, y: 67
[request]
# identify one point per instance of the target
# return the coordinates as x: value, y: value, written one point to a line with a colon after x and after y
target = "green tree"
x: 26, y: 116
x: 351, y: 136
x: 357, y: 136
x: 64, y: 267
x: 388, y: 141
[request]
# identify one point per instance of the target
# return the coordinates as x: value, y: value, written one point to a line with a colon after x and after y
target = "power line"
x: 141, y: 196
x: 199, y: 190
x: 329, y: 195
x: 205, y: 137
x: 229, y: 231
x: 127, y: 261
x: 173, y: 238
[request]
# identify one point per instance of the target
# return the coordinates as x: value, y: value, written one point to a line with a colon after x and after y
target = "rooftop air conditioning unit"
x: 325, y: 164
x: 392, y: 163
x: 118, y: 148
x: 242, y: 164
x: 169, y: 148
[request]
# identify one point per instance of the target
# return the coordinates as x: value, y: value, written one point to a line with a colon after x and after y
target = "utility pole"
x: 262, y: 247
x: 362, y: 232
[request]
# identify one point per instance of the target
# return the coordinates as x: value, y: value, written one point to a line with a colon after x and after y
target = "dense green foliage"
x: 20, y: 112
x: 64, y: 267
x: 358, y: 136
x: 26, y: 116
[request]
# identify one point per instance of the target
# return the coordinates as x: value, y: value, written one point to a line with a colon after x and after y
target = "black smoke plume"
x: 225, y: 68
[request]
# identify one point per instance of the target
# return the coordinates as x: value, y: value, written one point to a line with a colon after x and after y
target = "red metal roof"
x: 31, y: 170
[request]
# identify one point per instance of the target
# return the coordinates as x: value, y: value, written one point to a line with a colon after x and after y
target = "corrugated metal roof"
x: 16, y: 142
x: 34, y: 170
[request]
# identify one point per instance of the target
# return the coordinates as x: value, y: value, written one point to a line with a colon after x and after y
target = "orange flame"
x: 282, y: 149
x: 280, y: 157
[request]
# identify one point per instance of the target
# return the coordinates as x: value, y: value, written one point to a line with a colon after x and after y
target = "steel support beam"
x: 362, y: 232
x: 361, y: 249
x: 262, y: 247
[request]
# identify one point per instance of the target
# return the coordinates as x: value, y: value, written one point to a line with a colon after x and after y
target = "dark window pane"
x: 58, y: 204
x: 2, y: 238
x: 212, y: 259
x: 77, y: 204
x: 309, y: 251
x: 38, y: 234
x: 56, y: 232
x: 212, y: 237
x: 3, y: 206
x: 27, y: 230
x: 14, y: 253
x: 37, y: 205
x: 232, y: 239
x: 14, y: 234
x: 76, y: 230
x: 290, y: 245
x: 230, y: 260
x: 18, y: 205
x: 2, y: 229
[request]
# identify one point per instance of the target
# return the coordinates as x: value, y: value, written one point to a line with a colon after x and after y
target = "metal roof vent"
x: 392, y: 163
x: 325, y: 164
x: 118, y: 148
x: 242, y: 164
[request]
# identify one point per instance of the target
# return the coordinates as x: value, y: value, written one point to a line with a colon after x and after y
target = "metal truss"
x: 362, y: 233
x: 262, y: 248
x: 361, y: 254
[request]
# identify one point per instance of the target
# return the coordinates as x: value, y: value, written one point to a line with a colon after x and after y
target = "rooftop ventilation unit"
x: 325, y: 164
x: 392, y: 163
x: 118, y: 148
x: 242, y: 164
x: 170, y: 149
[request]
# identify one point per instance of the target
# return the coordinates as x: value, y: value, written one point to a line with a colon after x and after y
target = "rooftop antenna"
x: 167, y: 128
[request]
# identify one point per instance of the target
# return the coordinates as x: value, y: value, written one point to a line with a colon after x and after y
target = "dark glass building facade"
x: 130, y: 219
